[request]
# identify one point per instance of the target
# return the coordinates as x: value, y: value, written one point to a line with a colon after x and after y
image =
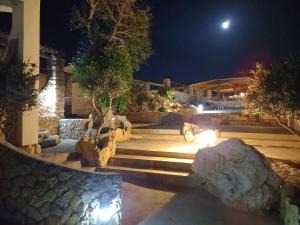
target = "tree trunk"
x: 285, y: 126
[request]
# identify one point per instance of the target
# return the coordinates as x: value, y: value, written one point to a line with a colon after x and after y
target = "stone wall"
x: 81, y: 106
x: 49, y: 123
x: 72, y: 128
x: 145, y: 117
x: 52, y: 97
x: 34, y: 191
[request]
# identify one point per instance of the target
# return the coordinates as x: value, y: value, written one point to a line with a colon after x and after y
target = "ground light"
x: 206, y: 138
x: 102, y: 215
x: 199, y: 108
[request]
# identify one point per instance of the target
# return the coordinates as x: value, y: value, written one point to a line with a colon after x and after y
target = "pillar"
x: 167, y: 83
x: 146, y: 86
x: 26, y: 29
x: 190, y: 89
x: 209, y: 95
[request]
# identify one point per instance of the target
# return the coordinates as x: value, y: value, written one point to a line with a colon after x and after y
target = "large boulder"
x: 239, y: 175
x: 92, y: 155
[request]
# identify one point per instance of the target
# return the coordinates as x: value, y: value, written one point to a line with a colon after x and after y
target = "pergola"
x: 221, y: 86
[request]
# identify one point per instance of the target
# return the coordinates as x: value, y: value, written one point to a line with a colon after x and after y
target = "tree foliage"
x: 17, y: 92
x: 116, y: 42
x: 275, y: 90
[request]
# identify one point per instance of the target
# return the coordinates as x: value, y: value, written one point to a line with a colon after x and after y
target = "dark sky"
x: 188, y: 42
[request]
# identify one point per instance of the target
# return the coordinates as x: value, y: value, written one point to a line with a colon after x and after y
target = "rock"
x: 43, y: 134
x: 92, y: 155
x: 123, y: 128
x: 52, y: 140
x: 52, y: 220
x: 239, y: 175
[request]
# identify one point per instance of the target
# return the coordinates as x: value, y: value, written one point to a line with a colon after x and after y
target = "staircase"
x: 161, y: 155
x: 152, y: 162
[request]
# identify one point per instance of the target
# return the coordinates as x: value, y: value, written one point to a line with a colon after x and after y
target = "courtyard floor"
x: 147, y: 203
x: 150, y: 204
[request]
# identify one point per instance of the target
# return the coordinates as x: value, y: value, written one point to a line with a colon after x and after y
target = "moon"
x: 226, y: 24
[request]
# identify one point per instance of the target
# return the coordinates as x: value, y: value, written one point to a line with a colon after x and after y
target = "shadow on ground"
x: 150, y: 204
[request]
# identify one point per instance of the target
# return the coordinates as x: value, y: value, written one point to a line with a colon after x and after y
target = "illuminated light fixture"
x: 242, y: 94
x: 207, y: 138
x: 226, y: 24
x: 101, y: 215
x: 199, y: 108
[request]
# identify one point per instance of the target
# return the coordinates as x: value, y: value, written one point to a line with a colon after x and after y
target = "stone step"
x: 151, y: 162
x: 260, y: 136
x: 155, y: 131
x: 52, y: 140
x: 268, y: 143
x: 155, y: 153
x: 281, y: 140
x: 156, y: 176
x: 169, y: 137
x: 43, y: 134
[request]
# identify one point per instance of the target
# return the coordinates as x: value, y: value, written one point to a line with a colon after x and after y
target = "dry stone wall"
x: 72, y: 128
x: 39, y: 192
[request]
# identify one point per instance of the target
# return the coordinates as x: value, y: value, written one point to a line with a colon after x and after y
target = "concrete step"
x: 268, y: 143
x: 157, y: 176
x: 155, y: 153
x: 169, y: 137
x: 51, y: 141
x: 280, y: 140
x: 155, y: 131
x: 260, y: 136
x: 150, y: 162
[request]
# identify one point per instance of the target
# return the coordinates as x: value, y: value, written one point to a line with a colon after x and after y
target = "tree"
x: 116, y: 43
x: 17, y: 93
x: 275, y: 90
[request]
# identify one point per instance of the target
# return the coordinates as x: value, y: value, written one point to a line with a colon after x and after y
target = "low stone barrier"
x: 289, y: 212
x: 72, y: 128
x: 35, y: 191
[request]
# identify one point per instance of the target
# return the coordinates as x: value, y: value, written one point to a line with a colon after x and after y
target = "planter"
x: 92, y: 155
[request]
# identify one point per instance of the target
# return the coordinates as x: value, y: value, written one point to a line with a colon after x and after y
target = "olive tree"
x: 275, y: 90
x: 115, y: 44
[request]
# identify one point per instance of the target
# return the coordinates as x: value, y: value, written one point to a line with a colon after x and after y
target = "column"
x: 26, y: 29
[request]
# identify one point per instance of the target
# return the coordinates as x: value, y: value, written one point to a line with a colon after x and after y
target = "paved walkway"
x: 166, y: 205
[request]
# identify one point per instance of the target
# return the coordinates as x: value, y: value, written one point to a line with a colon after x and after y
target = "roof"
x: 227, y: 84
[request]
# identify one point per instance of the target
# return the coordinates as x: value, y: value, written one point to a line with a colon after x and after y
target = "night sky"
x: 188, y: 42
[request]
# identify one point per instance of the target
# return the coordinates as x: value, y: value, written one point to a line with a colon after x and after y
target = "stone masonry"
x: 72, y: 128
x: 33, y: 191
